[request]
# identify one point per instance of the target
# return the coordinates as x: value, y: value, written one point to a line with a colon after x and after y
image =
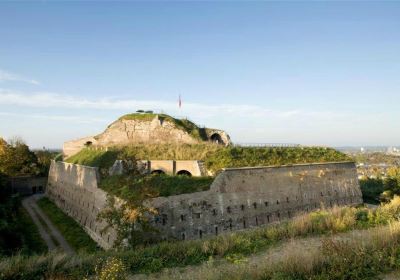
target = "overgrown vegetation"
x: 214, y: 156
x: 130, y: 217
x: 32, y: 241
x: 377, y: 190
x: 179, y: 254
x: 128, y: 187
x: 70, y: 229
x: 18, y: 234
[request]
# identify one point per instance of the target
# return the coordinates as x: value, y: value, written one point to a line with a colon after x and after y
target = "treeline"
x: 17, y: 232
x: 376, y: 190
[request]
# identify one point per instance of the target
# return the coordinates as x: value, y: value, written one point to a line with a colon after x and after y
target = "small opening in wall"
x: 268, y: 216
x: 289, y: 214
x: 256, y: 221
x: 214, y: 212
x: 230, y: 225
x: 279, y: 215
x: 183, y: 236
x: 216, y: 230
x: 242, y: 207
x: 200, y: 233
x: 277, y: 202
x: 255, y: 205
x: 183, y: 218
x: 228, y: 209
x: 266, y: 203
x: 108, y: 239
x: 164, y: 219
x: 244, y: 223
x: 322, y: 194
x: 287, y: 199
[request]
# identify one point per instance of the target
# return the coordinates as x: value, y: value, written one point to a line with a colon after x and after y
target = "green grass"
x: 180, y: 254
x: 95, y: 158
x: 215, y: 157
x: 128, y: 187
x: 33, y: 243
x: 69, y: 228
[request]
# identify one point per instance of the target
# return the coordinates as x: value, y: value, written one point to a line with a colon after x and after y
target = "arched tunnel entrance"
x: 184, y: 173
x: 216, y: 138
x: 157, y: 172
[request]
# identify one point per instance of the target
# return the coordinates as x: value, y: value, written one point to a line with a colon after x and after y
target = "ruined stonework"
x: 239, y: 198
x: 142, y: 131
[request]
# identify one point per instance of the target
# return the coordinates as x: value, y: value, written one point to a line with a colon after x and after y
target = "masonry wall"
x: 249, y: 197
x: 238, y: 198
x: 27, y: 185
x: 74, y: 189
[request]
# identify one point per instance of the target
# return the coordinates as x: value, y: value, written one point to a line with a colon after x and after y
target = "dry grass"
x: 325, y: 258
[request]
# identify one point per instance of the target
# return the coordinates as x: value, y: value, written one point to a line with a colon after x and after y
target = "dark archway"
x: 157, y: 172
x: 88, y: 143
x: 216, y: 138
x: 184, y: 173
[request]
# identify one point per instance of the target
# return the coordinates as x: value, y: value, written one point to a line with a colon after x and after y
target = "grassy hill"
x: 215, y: 157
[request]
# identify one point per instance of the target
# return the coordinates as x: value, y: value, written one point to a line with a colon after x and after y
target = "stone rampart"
x: 239, y: 198
x: 74, y: 189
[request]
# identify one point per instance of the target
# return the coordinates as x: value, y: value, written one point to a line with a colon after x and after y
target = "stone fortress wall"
x: 73, y: 188
x: 239, y: 198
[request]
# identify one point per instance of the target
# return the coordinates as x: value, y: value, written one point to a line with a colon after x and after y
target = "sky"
x: 312, y: 73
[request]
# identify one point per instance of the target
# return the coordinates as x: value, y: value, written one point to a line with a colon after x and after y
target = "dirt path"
x: 50, y: 234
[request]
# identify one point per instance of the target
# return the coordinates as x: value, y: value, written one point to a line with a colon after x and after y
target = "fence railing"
x: 266, y: 145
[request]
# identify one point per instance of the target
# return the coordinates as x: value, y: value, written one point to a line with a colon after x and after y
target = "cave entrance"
x: 216, y: 138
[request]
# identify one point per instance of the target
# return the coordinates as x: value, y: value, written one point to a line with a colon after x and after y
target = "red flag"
x: 180, y: 101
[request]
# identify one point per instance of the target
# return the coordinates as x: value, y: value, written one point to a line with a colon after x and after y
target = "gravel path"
x: 48, y: 231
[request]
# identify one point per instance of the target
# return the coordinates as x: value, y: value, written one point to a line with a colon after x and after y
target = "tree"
x: 16, y: 159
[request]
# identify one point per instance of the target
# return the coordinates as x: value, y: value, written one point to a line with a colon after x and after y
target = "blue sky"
x: 314, y: 73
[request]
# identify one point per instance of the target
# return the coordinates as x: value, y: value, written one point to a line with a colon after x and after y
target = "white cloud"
x: 7, y: 76
x: 74, y: 119
x: 194, y: 110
